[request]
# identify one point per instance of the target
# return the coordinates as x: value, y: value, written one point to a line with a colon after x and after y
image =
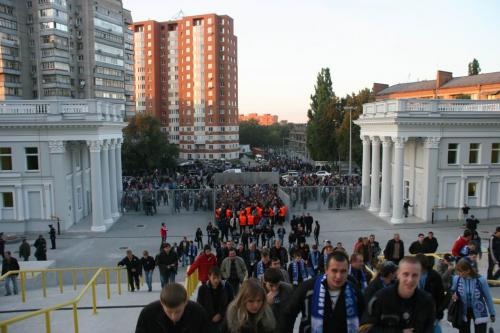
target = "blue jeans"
x: 11, y: 279
x: 168, y: 277
x: 148, y: 276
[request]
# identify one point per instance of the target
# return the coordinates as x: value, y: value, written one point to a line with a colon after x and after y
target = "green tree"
x: 256, y: 135
x: 322, y: 119
x: 342, y: 132
x: 146, y: 147
x: 474, y: 68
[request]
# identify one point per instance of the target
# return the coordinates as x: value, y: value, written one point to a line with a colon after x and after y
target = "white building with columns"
x: 439, y: 154
x: 59, y: 159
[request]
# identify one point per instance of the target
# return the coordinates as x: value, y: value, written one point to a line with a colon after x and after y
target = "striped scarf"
x: 260, y: 269
x: 296, y: 267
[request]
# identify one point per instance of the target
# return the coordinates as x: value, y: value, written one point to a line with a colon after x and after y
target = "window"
x: 452, y: 153
x: 474, y: 153
x: 31, y: 158
x: 8, y: 200
x: 495, y: 153
x: 5, y: 158
x: 472, y: 189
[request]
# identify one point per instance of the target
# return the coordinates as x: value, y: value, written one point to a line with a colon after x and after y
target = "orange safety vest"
x: 271, y: 212
x: 243, y: 220
x: 259, y: 211
x: 228, y: 213
x: 248, y: 210
x: 282, y: 211
x: 217, y: 212
x: 251, y: 219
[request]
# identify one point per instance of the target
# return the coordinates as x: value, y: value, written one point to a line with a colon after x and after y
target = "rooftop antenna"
x: 179, y: 15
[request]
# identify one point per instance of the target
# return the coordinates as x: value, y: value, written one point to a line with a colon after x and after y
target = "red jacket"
x: 203, y: 263
x: 458, y: 245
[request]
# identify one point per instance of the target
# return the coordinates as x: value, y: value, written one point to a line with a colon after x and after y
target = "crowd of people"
x: 247, y: 287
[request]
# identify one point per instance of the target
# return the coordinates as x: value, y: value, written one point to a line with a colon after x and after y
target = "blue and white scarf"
x: 470, y: 291
x: 318, y: 307
x: 192, y: 251
x: 314, y: 257
x: 296, y: 267
x: 363, y: 281
x: 260, y: 269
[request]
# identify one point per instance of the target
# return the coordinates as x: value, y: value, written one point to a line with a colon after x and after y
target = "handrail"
x: 73, y: 270
x: 74, y: 302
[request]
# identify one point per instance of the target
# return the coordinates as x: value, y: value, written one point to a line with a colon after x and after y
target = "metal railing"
x: 46, y: 312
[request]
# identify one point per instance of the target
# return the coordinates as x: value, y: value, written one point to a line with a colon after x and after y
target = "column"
x: 105, y: 184
x: 112, y: 180
x: 398, y: 171
x: 365, y: 178
x: 463, y: 184
x: 95, y: 179
x: 430, y: 186
x: 118, y: 154
x: 19, y: 202
x: 485, y: 192
x: 375, y: 185
x: 57, y: 150
x: 385, y: 202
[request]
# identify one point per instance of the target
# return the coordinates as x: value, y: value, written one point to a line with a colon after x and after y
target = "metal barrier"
x: 91, y: 284
x: 58, y: 272
x: 439, y: 255
x: 303, y: 198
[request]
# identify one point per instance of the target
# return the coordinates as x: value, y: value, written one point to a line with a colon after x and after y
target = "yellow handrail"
x: 59, y: 274
x: 73, y: 303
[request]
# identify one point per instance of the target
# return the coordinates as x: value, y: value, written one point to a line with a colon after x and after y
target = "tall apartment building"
x: 187, y: 76
x: 66, y: 49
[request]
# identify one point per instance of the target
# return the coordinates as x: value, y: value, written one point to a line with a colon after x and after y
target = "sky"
x: 282, y: 45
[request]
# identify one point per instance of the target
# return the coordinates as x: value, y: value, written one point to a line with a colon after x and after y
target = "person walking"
x: 24, y: 250
x: 199, y: 238
x: 406, y: 205
x: 10, y: 263
x: 494, y: 255
x: 52, y: 234
x: 278, y: 294
x: 234, y: 270
x: 329, y: 302
x: 418, y: 246
x: 249, y: 311
x: 203, y: 263
x: 134, y: 269
x: 214, y: 296
x: 167, y: 262
x: 386, y: 276
x: 316, y: 231
x: 2, y: 245
x: 148, y: 265
x: 402, y: 307
x: 465, y: 212
x: 173, y: 313
x: 163, y: 233
x: 430, y: 243
x: 394, y: 250
x: 471, y: 223
x: 472, y: 290
x: 41, y: 248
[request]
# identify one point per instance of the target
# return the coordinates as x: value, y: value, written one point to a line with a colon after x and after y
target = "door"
x: 451, y: 193
x: 35, y: 205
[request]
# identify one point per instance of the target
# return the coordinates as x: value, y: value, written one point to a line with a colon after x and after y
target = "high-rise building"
x: 187, y: 76
x: 66, y: 49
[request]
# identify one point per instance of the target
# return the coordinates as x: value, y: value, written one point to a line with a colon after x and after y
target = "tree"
x: 322, y: 119
x: 342, y: 133
x: 146, y: 147
x: 474, y: 68
x: 255, y: 135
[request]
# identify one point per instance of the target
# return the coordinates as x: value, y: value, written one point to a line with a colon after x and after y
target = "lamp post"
x: 350, y: 108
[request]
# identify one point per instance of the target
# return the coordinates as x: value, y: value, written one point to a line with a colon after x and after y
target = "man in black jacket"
x: 333, y: 286
x: 430, y: 243
x: 394, y: 250
x: 10, y: 263
x: 401, y: 307
x: 494, y: 255
x: 148, y: 265
x: 278, y: 294
x: 173, y: 313
x: 431, y: 281
x: 134, y: 269
x: 385, y: 278
x: 214, y: 296
x: 277, y: 251
x: 167, y: 262
x: 418, y: 246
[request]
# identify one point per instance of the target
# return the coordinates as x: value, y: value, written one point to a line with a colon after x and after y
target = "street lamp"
x: 350, y: 108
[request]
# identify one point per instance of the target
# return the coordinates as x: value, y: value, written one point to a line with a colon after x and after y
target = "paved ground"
x: 79, y: 247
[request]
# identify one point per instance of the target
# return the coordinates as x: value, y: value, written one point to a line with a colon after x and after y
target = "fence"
x: 303, y: 198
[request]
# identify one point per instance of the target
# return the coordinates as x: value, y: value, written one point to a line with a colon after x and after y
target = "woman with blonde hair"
x: 249, y: 311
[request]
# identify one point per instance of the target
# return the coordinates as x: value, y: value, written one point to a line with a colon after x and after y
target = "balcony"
x: 60, y: 110
x: 431, y: 107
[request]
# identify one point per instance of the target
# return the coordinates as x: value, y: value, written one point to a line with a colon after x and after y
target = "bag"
x: 456, y: 313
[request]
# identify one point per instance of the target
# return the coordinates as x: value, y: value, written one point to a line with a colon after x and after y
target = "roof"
x: 461, y: 81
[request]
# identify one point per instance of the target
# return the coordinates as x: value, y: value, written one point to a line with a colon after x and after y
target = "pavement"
x: 78, y: 247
